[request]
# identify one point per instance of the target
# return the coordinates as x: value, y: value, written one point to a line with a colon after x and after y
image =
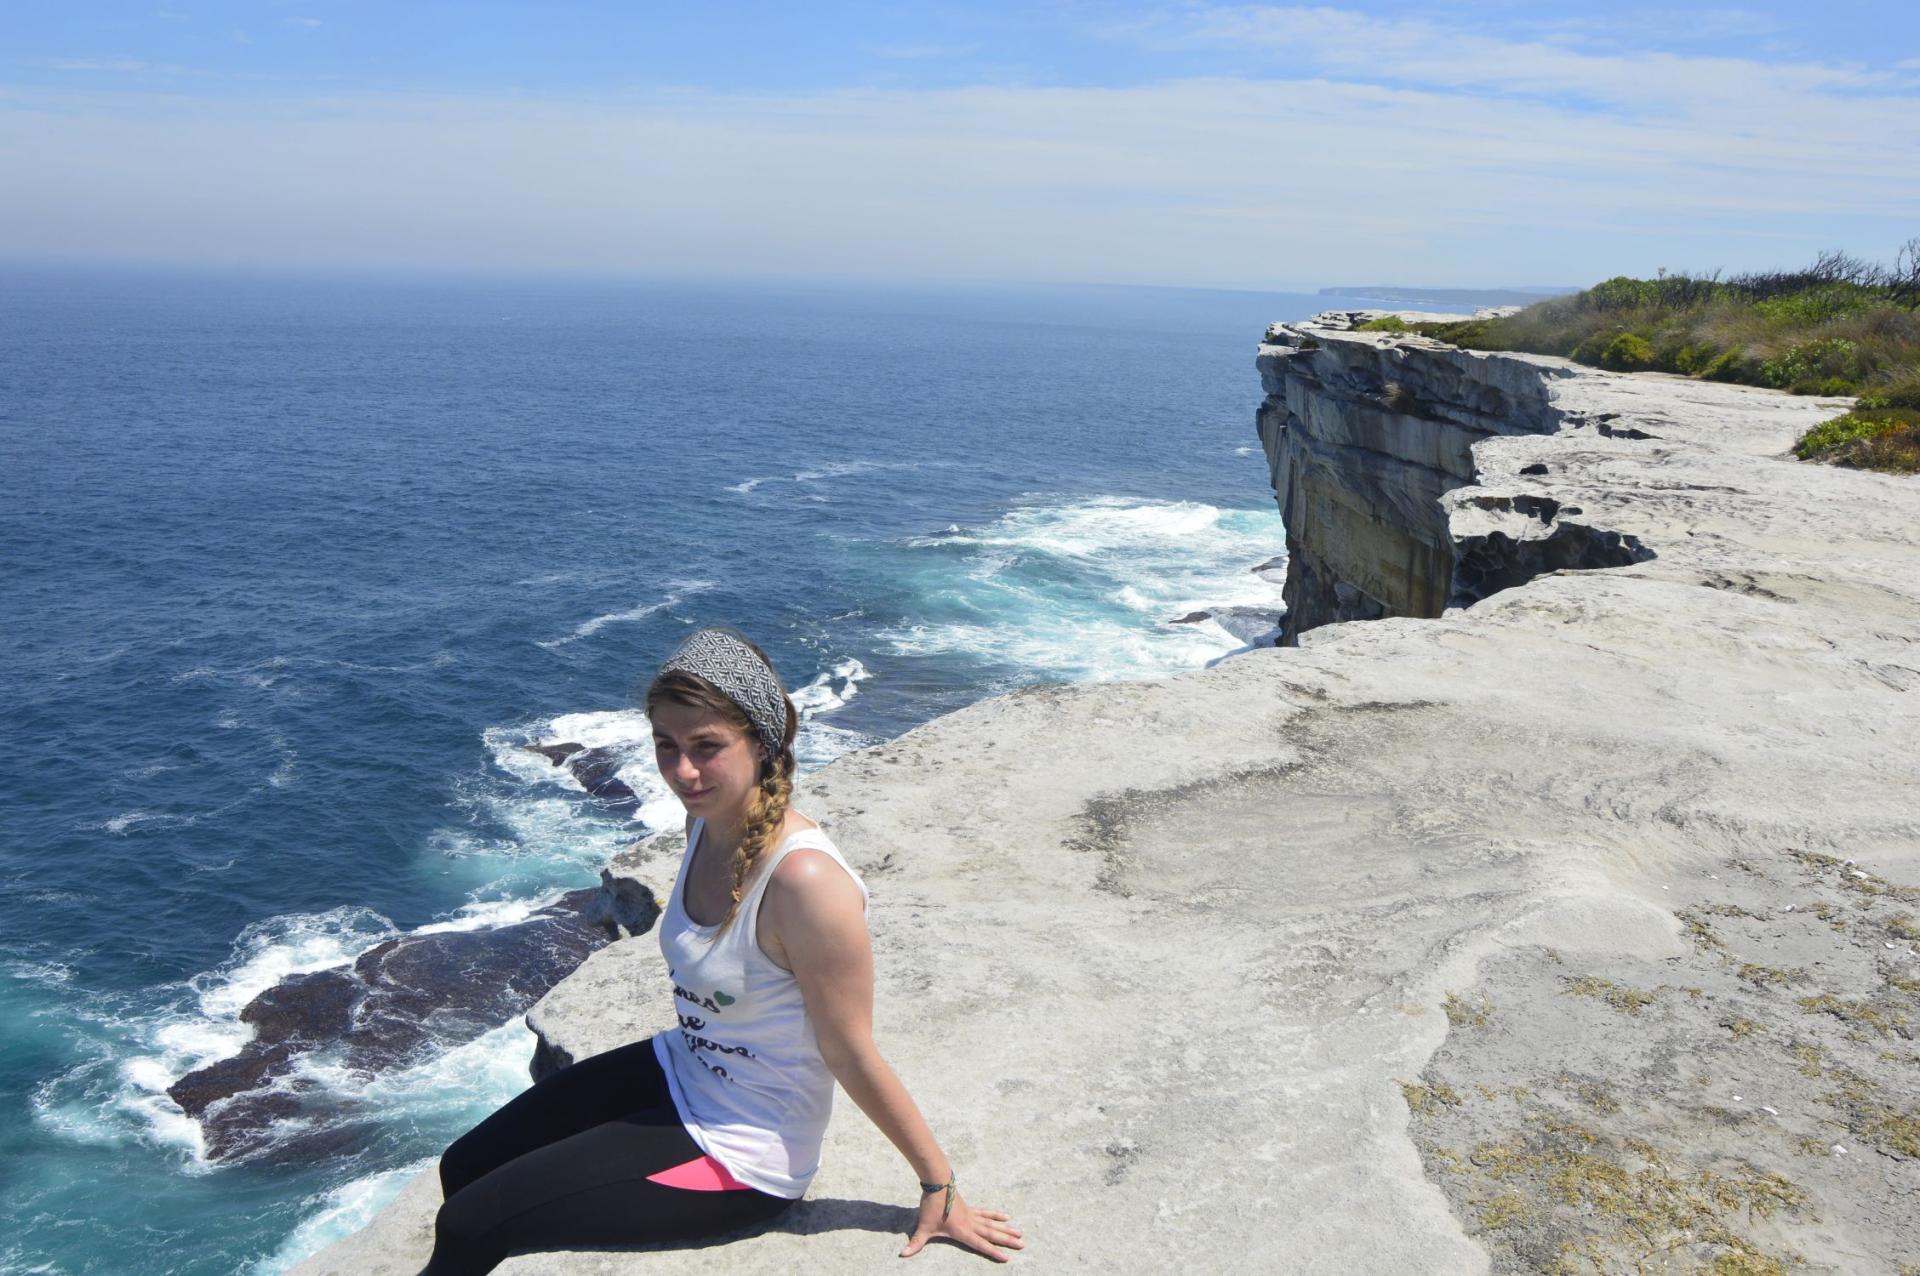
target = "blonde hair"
x: 767, y: 808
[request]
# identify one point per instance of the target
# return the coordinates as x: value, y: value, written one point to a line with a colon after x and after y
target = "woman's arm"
x: 814, y: 917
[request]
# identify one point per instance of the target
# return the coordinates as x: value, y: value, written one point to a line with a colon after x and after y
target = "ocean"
x: 293, y: 566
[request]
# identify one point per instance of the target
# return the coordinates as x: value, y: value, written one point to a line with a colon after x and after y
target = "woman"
x: 716, y: 1124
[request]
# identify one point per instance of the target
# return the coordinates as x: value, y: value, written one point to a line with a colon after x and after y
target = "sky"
x: 1497, y: 144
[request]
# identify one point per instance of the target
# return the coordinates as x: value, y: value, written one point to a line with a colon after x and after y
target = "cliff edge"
x: 1563, y: 927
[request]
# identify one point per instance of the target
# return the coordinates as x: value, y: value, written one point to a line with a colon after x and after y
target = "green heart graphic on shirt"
x: 722, y: 998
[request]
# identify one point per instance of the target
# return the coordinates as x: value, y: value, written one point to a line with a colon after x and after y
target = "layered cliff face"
x: 1572, y: 930
x: 1364, y: 434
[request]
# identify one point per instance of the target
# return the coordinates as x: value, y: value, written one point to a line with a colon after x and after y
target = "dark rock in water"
x: 1255, y: 626
x: 598, y: 773
x: 400, y: 1003
x: 309, y: 1007
x: 597, y: 769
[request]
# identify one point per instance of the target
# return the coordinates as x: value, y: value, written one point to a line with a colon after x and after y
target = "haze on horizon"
x: 1236, y: 146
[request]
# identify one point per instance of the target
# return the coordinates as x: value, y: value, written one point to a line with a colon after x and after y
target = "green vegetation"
x: 1868, y: 439
x: 1841, y: 326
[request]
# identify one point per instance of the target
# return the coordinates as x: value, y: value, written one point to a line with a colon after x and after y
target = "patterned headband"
x: 720, y: 655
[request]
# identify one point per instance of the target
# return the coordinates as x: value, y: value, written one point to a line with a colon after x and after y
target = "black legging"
x: 564, y: 1165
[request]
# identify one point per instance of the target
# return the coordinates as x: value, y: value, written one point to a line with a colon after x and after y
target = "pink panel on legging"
x: 702, y: 1174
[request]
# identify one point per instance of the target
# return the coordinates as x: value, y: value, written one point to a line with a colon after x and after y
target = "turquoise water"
x: 292, y: 567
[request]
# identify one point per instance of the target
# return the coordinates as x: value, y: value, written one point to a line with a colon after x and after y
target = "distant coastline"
x: 1403, y: 296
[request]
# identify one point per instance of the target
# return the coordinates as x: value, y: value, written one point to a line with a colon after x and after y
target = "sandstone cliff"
x: 1364, y: 437
x: 1575, y: 926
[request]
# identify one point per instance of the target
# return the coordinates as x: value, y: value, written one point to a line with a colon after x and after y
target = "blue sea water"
x: 291, y: 567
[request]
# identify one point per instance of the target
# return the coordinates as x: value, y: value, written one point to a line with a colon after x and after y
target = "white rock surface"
x: 1155, y: 956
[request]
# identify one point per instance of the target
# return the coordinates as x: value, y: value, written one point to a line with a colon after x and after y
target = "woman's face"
x: 710, y: 764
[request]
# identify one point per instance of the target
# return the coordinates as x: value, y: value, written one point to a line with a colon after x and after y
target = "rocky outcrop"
x: 597, y: 769
x: 398, y: 1003
x: 1519, y: 935
x: 1365, y: 434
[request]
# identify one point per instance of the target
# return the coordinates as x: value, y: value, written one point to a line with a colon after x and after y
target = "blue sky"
x: 1211, y: 145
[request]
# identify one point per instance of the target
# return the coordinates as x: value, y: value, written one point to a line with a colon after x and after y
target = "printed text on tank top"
x: 778, y: 954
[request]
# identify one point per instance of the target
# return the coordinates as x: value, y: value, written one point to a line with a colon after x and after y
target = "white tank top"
x: 744, y: 1066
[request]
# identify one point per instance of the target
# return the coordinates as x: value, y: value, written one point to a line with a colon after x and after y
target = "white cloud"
x: 1228, y: 181
x: 309, y: 23
x: 1420, y: 53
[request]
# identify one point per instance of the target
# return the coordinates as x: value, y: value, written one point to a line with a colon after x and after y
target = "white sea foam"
x: 679, y: 592
x: 831, y: 470
x: 607, y: 728
x: 12, y: 1264
x: 830, y: 690
x: 40, y: 972
x: 550, y: 823
x: 454, y: 1090
x: 266, y: 952
x: 337, y: 1214
x: 486, y: 915
x: 1089, y: 590
x: 127, y: 821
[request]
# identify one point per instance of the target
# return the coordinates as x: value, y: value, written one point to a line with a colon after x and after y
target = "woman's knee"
x: 462, y: 1163
x: 463, y: 1240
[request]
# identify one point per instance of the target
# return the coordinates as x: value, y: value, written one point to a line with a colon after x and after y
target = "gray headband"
x: 721, y: 656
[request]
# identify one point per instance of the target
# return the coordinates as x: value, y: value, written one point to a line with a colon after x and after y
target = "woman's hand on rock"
x: 984, y: 1231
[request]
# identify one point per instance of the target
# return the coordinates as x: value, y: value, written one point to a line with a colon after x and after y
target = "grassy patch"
x: 1604, y: 1201
x: 1764, y: 976
x: 1854, y: 1012
x: 1385, y: 323
x: 1840, y: 327
x: 1464, y: 1014
x: 1869, y: 1116
x: 1628, y: 1001
x: 1423, y: 1100
x: 1509, y: 1209
x: 1699, y: 930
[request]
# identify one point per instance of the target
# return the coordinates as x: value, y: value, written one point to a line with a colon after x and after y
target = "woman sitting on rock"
x: 715, y: 1124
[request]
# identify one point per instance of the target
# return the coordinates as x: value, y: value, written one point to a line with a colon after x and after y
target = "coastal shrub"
x: 1627, y: 353
x: 1840, y: 326
x: 1898, y: 394
x: 1731, y: 365
x: 1385, y: 323
x: 1813, y: 364
x: 1866, y: 438
x: 1620, y: 293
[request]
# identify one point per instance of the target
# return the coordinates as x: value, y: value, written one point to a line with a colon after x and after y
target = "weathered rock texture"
x: 1363, y: 438
x: 1167, y: 962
